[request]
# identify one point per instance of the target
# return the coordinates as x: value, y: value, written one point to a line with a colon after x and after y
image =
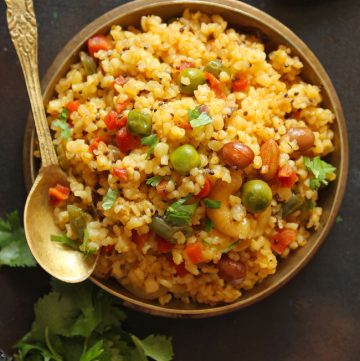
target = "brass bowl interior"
x: 247, y: 19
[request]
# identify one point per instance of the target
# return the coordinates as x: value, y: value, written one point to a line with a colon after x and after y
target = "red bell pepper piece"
x: 57, y: 194
x: 126, y: 141
x: 280, y: 240
x: 98, y: 42
x: 205, y: 190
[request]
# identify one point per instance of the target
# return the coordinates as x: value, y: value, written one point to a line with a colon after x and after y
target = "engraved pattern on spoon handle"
x: 23, y: 31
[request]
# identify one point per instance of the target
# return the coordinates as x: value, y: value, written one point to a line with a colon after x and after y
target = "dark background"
x: 317, y: 315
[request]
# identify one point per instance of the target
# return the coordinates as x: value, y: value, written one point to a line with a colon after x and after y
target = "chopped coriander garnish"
x: 320, y: 169
x: 62, y: 124
x: 208, y: 224
x: 110, y: 199
x: 212, y: 203
x: 151, y: 141
x: 180, y: 213
x: 230, y: 246
x: 154, y: 181
x: 64, y: 240
x: 64, y: 128
x: 198, y: 119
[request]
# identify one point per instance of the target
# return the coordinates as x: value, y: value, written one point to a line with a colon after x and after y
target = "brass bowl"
x: 248, y: 19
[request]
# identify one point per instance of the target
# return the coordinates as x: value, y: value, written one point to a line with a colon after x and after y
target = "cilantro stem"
x: 86, y: 342
x: 54, y: 354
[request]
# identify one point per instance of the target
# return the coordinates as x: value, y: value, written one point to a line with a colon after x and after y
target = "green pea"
x: 215, y: 67
x: 256, y: 196
x: 139, y: 123
x: 185, y: 158
x: 196, y: 77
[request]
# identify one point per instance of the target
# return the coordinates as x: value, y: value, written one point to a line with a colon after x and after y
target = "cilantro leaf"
x: 54, y: 312
x: 197, y: 118
x: 179, y: 214
x: 93, y: 352
x: 320, y: 169
x: 193, y: 113
x: 62, y: 124
x: 212, y: 203
x: 14, y: 251
x: 202, y: 119
x: 208, y: 225
x: 157, y: 347
x: 30, y: 351
x: 151, y: 140
x: 72, y: 348
x: 64, y: 128
x: 64, y: 240
x: 110, y: 199
x: 154, y: 181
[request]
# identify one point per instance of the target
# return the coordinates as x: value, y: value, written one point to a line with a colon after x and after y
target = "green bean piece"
x: 292, y: 205
x: 88, y: 63
x: 165, y: 230
x: 78, y: 220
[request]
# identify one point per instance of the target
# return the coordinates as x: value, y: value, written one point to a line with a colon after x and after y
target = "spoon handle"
x: 22, y: 27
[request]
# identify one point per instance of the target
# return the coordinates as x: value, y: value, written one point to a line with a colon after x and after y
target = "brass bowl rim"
x: 110, y: 17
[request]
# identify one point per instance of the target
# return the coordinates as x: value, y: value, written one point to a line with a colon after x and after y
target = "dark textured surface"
x: 317, y: 315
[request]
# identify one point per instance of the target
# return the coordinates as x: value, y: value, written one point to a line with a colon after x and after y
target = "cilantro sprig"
x: 197, y: 118
x: 321, y: 171
x: 82, y: 323
x: 179, y: 213
x: 14, y: 251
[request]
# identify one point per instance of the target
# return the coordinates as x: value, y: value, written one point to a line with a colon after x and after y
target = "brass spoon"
x: 63, y: 263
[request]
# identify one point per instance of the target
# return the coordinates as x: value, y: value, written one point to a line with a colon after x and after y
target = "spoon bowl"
x: 61, y: 262
x: 65, y: 264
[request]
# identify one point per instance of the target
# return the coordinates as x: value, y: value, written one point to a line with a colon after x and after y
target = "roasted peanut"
x: 232, y: 271
x: 269, y: 153
x: 304, y: 137
x: 237, y: 154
